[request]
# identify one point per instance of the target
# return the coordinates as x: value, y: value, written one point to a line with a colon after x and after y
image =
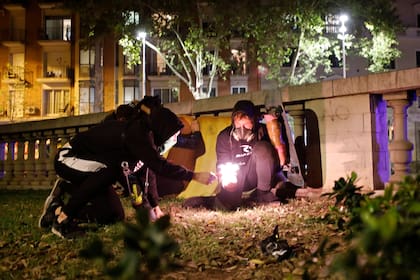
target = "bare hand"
x: 155, y: 214
x: 231, y: 187
x: 158, y: 212
x: 205, y: 178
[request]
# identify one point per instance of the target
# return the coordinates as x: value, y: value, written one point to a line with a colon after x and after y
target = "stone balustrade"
x: 28, y: 149
x: 339, y: 126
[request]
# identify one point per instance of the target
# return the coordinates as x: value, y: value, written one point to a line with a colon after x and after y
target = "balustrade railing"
x: 341, y: 126
x: 28, y: 149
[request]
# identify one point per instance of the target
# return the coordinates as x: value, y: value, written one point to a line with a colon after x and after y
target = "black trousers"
x: 92, y: 196
x: 259, y: 173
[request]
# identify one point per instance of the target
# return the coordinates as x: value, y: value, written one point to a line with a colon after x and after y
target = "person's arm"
x: 192, y: 141
x: 139, y: 146
x: 223, y: 147
x: 152, y: 195
x: 274, y: 132
x: 200, y: 148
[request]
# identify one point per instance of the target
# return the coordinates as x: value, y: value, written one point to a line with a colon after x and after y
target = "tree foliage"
x: 192, y: 35
x: 380, y: 230
x: 379, y: 50
x: 293, y: 34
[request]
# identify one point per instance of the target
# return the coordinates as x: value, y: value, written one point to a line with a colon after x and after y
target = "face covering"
x: 242, y: 133
x: 169, y: 143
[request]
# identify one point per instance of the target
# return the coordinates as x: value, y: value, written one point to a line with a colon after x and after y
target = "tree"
x: 97, y: 20
x: 192, y: 35
x: 187, y: 57
x: 379, y: 50
x: 179, y: 32
x: 184, y: 37
x: 294, y: 34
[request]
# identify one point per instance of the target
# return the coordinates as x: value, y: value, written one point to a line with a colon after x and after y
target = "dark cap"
x: 246, y: 107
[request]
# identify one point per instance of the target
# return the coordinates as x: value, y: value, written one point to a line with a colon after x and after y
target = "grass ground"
x: 213, y: 244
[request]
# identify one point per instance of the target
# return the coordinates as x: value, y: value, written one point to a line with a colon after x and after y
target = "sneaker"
x: 66, y: 229
x: 47, y: 218
x: 51, y: 203
x: 207, y: 202
x: 285, y: 191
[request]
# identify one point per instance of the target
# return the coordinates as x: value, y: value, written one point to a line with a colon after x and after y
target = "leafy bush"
x: 147, y: 247
x: 385, y: 231
x: 348, y: 198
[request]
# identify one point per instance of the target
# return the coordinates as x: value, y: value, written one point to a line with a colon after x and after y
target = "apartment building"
x: 46, y: 74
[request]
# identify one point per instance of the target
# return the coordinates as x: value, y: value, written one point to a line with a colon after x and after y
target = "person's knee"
x: 263, y: 149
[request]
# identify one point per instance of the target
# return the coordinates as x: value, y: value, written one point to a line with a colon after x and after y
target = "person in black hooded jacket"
x: 91, y: 161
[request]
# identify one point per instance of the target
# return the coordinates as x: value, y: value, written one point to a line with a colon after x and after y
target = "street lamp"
x: 342, y: 36
x: 142, y: 36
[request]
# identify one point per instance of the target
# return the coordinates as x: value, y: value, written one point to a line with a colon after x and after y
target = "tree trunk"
x: 296, y: 58
x: 98, y: 102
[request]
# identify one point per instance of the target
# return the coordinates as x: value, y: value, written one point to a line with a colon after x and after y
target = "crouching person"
x: 248, y: 163
x: 91, y: 163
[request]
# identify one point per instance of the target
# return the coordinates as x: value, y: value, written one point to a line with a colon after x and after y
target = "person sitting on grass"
x: 250, y: 155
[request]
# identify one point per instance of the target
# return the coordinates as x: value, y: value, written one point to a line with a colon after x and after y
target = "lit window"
x: 163, y: 21
x: 58, y: 28
x: 87, y: 63
x: 86, y: 97
x: 167, y: 95
x: 57, y: 64
x: 56, y: 101
x: 238, y: 90
x: 132, y: 17
x: 130, y: 91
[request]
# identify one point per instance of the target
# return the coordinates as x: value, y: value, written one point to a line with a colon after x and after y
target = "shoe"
x: 206, y: 202
x: 47, y: 218
x: 51, y: 203
x: 285, y: 191
x: 67, y: 229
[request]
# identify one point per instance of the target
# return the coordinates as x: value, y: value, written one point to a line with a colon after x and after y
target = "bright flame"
x: 228, y: 173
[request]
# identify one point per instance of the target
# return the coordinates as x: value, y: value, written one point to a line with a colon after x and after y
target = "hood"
x: 246, y: 107
x: 164, y: 123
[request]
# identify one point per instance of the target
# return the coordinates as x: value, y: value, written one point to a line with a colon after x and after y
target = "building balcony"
x: 57, y: 76
x: 16, y: 75
x: 13, y: 39
x: 48, y: 44
x: 12, y: 35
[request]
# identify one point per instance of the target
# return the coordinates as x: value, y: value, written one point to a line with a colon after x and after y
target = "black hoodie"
x: 112, y: 142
